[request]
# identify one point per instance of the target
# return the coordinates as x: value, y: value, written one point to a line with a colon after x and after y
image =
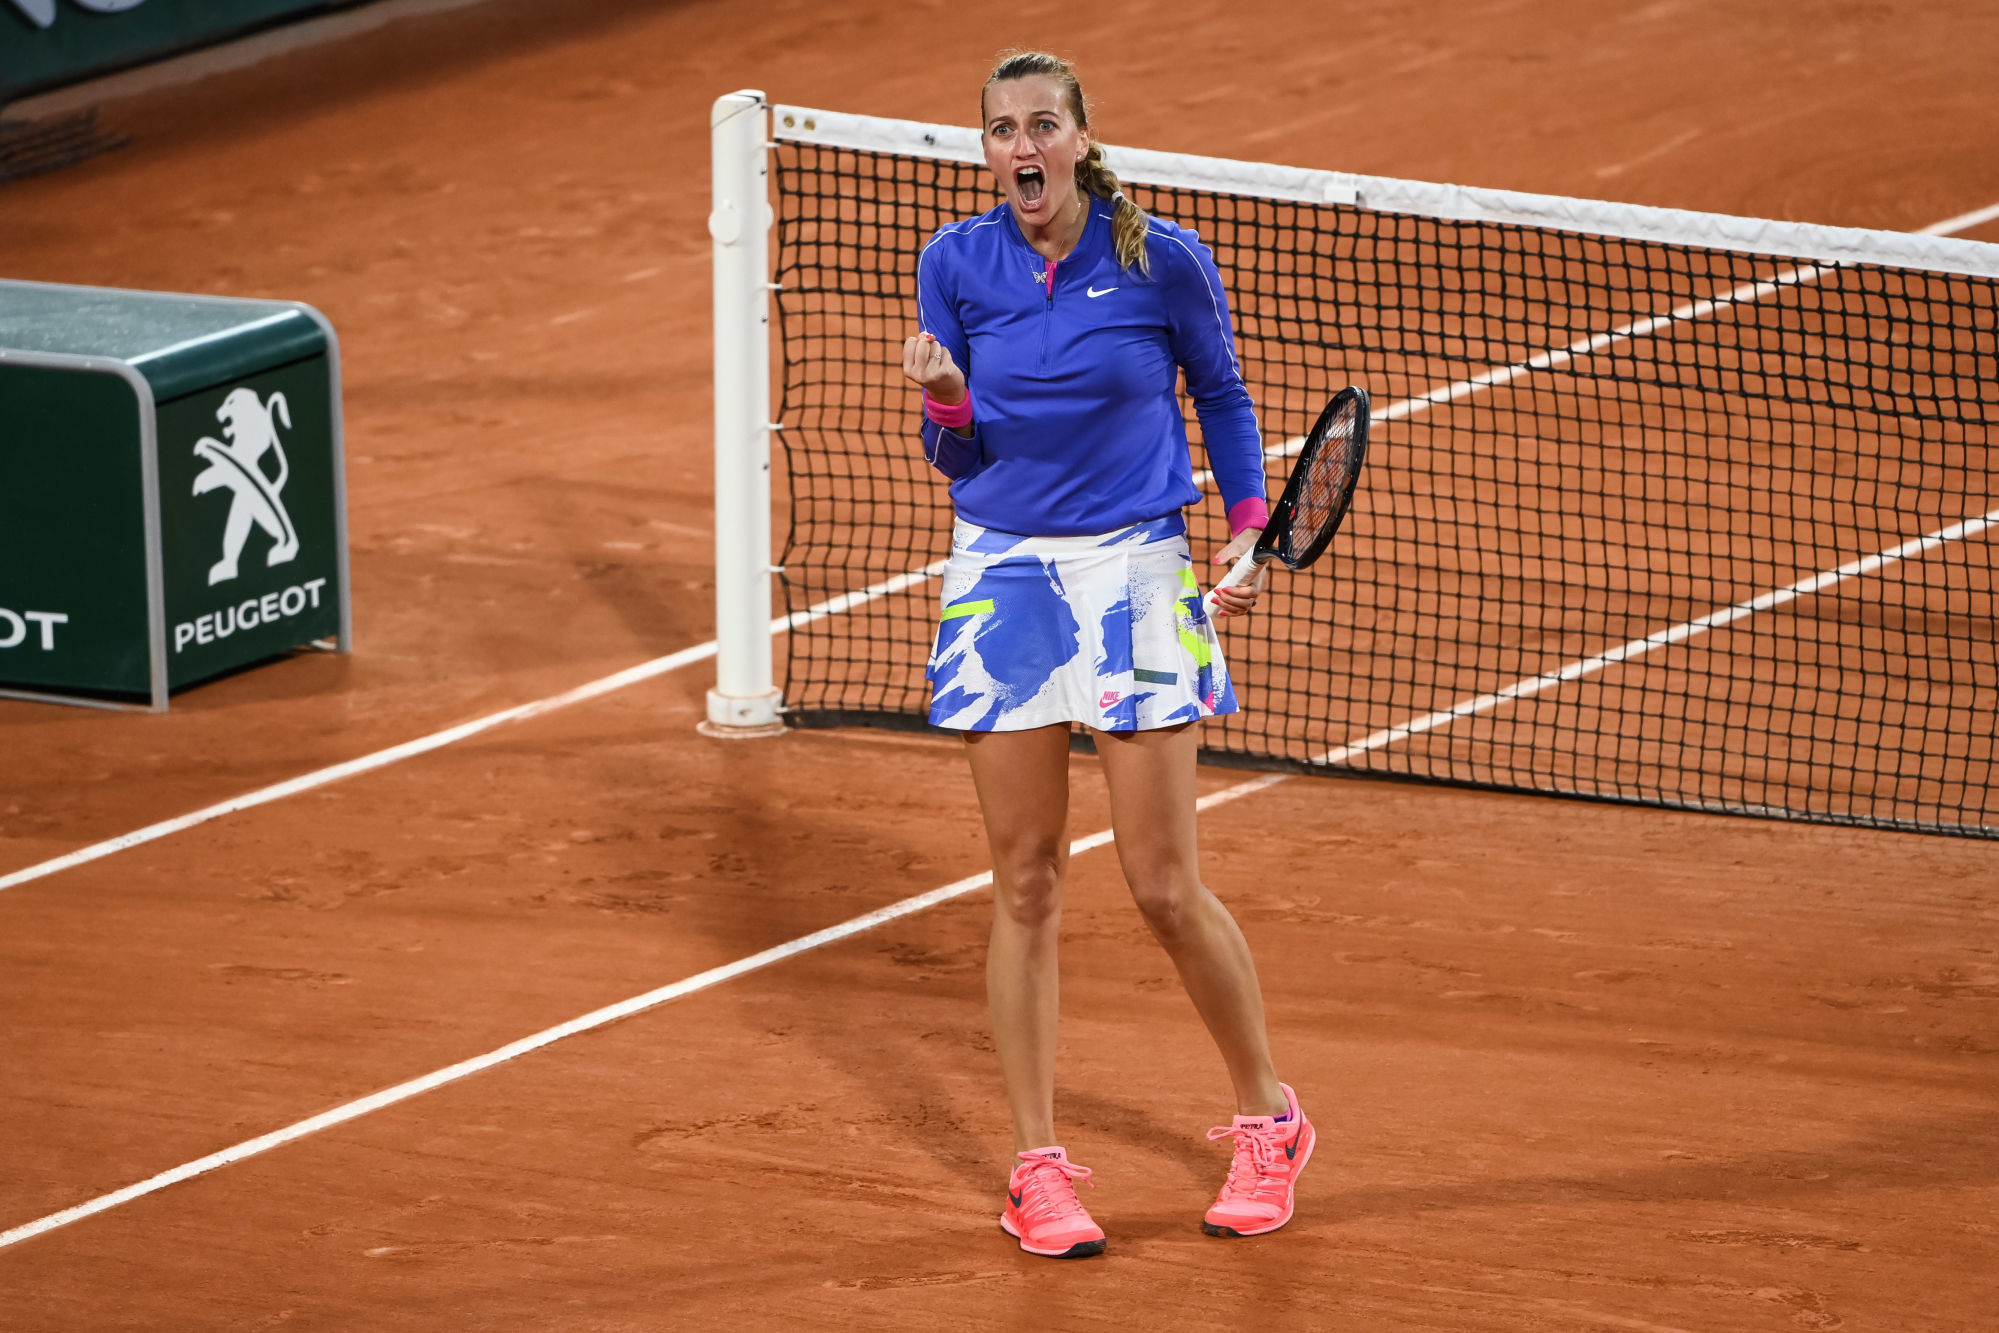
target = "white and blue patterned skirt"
x: 1107, y: 631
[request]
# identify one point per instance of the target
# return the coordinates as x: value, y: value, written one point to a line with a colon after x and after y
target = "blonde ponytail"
x: 1129, y: 223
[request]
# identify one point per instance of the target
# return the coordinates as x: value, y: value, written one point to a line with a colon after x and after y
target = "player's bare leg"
x: 1152, y: 789
x: 1022, y: 779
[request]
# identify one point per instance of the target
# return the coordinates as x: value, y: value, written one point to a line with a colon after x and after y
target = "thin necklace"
x: 1082, y: 208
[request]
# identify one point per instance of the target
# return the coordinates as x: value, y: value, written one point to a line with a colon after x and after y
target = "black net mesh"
x: 1579, y: 442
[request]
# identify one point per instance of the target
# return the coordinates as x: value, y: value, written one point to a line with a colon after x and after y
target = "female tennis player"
x: 1053, y: 331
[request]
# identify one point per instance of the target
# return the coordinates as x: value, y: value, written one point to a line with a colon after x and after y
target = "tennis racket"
x: 1316, y: 497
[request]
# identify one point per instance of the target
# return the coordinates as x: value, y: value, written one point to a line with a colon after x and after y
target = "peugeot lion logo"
x: 247, y: 421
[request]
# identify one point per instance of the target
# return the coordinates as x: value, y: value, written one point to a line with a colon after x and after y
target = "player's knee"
x: 1167, y: 900
x: 1030, y: 888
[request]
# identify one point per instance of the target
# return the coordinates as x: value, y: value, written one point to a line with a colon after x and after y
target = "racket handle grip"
x: 1242, y: 571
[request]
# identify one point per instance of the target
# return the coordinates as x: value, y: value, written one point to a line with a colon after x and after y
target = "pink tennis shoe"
x: 1042, y: 1210
x: 1262, y: 1185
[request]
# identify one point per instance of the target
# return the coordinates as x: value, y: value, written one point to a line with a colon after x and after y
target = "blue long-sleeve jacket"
x: 1074, y: 379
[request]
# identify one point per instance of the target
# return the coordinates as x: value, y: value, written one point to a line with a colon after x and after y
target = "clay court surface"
x: 1575, y: 1066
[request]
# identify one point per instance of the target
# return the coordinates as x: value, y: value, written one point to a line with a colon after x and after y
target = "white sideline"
x: 597, y: 1018
x: 1977, y: 217
x: 1528, y: 686
x: 1642, y: 327
x: 1520, y: 689
x: 1498, y: 377
x: 618, y: 680
x: 379, y: 759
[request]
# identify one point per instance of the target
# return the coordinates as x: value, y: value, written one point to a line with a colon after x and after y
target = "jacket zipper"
x: 1047, y: 319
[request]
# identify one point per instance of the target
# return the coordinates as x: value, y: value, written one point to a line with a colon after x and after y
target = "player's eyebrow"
x: 1052, y: 115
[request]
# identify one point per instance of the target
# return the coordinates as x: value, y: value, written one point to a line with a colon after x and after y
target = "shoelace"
x: 1049, y: 1194
x: 1255, y: 1154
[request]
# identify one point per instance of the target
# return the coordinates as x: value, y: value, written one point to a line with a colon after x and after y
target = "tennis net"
x: 1661, y: 507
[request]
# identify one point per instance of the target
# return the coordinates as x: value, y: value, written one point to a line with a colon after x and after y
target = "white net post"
x: 745, y: 701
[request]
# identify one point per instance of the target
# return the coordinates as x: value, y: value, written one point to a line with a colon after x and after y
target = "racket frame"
x: 1274, y: 532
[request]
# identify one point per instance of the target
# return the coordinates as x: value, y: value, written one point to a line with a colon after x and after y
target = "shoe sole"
x: 1082, y: 1249
x: 1290, y: 1207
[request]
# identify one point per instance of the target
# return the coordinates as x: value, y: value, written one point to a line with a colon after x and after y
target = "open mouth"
x: 1030, y: 182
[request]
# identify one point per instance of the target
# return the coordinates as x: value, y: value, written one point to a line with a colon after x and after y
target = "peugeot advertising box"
x: 172, y: 496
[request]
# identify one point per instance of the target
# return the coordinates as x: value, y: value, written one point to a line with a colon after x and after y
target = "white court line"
x: 1528, y: 686
x: 618, y: 680
x: 598, y: 1018
x: 1520, y: 689
x: 1978, y: 217
x: 673, y: 661
x: 1597, y: 342
x: 1500, y: 376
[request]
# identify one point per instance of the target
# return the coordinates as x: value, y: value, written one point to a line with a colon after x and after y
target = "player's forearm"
x: 1235, y: 453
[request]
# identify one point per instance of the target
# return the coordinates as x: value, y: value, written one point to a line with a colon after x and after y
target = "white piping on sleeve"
x: 1221, y: 325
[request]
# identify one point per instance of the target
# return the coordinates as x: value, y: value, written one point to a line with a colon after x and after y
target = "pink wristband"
x: 1250, y: 512
x: 952, y: 415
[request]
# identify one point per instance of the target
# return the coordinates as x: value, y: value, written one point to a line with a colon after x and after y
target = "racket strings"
x: 1323, y: 489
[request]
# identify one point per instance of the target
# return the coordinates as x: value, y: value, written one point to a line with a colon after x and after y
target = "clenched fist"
x: 928, y: 362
